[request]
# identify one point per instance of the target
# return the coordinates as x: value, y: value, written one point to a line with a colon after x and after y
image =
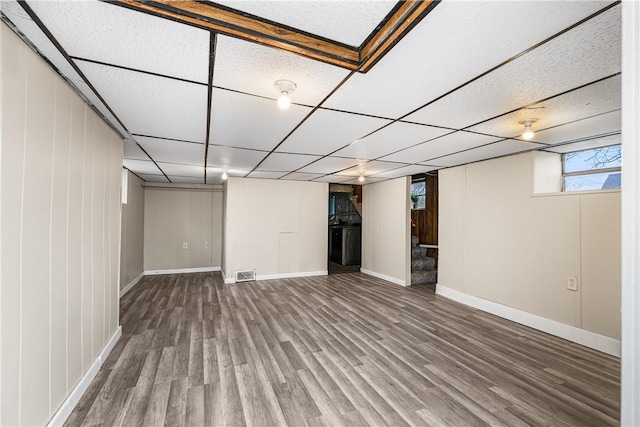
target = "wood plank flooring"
x: 341, y: 350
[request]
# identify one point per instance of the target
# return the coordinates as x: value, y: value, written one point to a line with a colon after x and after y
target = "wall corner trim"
x: 131, y: 284
x: 570, y: 333
x: 181, y: 271
x: 74, y: 397
x: 384, y: 277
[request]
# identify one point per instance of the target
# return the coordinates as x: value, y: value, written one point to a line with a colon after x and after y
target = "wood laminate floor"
x: 343, y: 350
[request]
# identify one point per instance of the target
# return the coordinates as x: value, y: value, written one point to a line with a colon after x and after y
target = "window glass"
x: 584, y: 170
x: 418, y: 190
x: 596, y: 158
x: 592, y: 181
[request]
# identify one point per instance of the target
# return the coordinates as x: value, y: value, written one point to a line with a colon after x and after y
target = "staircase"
x: 423, y: 268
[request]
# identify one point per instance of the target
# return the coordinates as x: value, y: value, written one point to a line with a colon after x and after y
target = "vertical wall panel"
x: 74, y: 242
x: 272, y: 239
x: 87, y: 240
x: 175, y: 214
x: 97, y: 236
x: 501, y: 244
x: 60, y: 230
x: 386, y: 229
x: 14, y: 80
x: 131, y: 262
x: 35, y: 241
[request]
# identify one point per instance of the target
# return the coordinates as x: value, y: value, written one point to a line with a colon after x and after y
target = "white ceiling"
x: 452, y: 91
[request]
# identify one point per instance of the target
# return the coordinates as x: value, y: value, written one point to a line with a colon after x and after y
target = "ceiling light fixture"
x: 284, y: 88
x: 528, y: 132
x: 224, y: 176
x: 361, y: 179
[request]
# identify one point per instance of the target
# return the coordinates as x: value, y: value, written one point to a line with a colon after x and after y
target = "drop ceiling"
x: 192, y: 102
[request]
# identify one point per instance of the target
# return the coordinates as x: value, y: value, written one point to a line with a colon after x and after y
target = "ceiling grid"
x: 447, y: 84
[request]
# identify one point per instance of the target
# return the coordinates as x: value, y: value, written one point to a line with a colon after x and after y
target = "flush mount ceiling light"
x: 528, y: 132
x: 284, y: 88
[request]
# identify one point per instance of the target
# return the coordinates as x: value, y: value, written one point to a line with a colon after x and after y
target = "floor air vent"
x: 245, y: 275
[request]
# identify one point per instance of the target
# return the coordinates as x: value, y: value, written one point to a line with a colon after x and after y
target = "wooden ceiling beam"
x: 230, y: 22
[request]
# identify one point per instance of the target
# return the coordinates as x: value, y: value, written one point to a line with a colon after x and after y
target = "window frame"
x: 586, y: 172
x: 421, y: 195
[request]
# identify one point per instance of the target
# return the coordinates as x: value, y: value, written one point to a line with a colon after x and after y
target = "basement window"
x: 418, y: 192
x: 593, y: 169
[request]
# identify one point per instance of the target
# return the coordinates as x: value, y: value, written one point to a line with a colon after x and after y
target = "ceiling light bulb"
x: 283, y: 101
x: 361, y: 179
x: 284, y: 88
x: 528, y: 132
x: 224, y: 176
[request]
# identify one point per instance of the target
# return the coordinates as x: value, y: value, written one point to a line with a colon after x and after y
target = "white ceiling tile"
x: 330, y: 165
x: 367, y: 180
x: 151, y: 105
x: 348, y: 22
x: 172, y: 169
x: 582, y: 55
x: 115, y: 35
x: 164, y: 150
x: 589, y: 101
x: 286, y: 162
x: 141, y: 166
x: 598, y: 125
x: 132, y: 151
x: 584, y: 145
x: 406, y: 171
x: 153, y: 178
x: 297, y: 176
x: 447, y: 144
x: 326, y: 131
x: 373, y: 167
x: 251, y: 122
x: 16, y: 14
x: 394, y: 137
x: 502, y: 148
x: 233, y: 158
x: 187, y: 179
x: 333, y: 179
x: 30, y: 29
x: 254, y: 68
x: 457, y: 41
x: 266, y: 174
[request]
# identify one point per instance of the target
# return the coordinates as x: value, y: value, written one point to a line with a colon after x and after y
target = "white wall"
x: 630, y: 387
x: 175, y: 214
x: 278, y: 228
x: 386, y: 230
x: 501, y: 243
x: 132, y: 240
x: 60, y: 173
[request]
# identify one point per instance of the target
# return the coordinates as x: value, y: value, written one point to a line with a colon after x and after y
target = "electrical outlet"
x: 206, y: 245
x: 185, y: 245
x: 572, y: 283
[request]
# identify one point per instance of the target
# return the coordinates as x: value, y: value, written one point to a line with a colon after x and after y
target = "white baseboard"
x: 230, y: 280
x: 181, y: 271
x: 571, y: 333
x: 384, y: 277
x: 131, y: 284
x: 74, y: 397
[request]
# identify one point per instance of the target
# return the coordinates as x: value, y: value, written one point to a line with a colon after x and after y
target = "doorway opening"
x: 424, y: 228
x: 344, y: 228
